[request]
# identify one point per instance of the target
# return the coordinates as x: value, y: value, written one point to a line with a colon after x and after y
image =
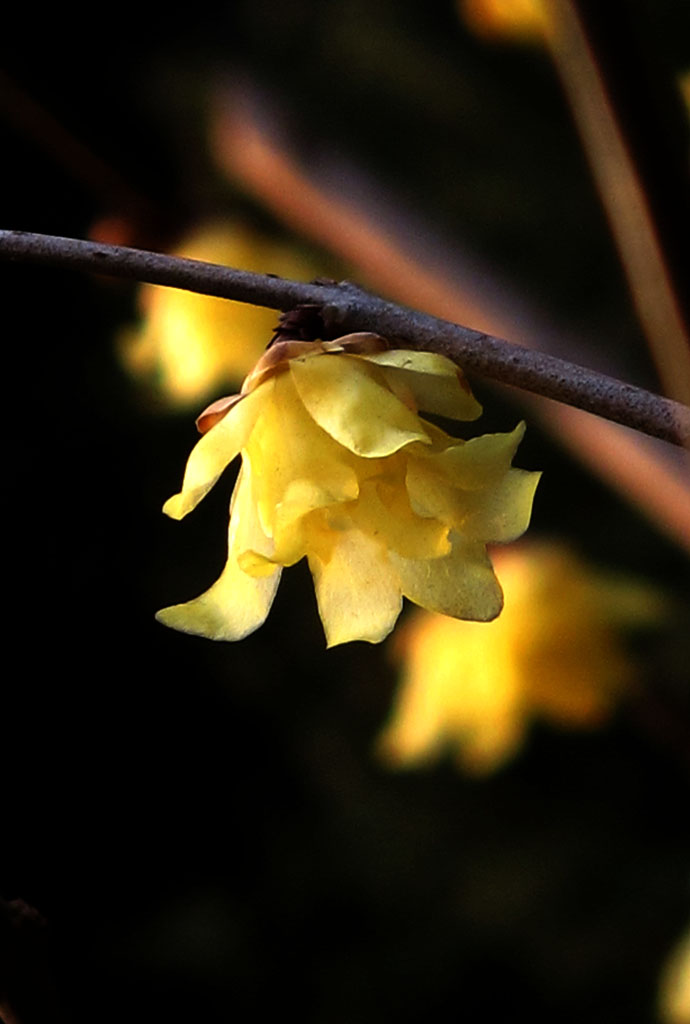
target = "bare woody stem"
x: 347, y: 307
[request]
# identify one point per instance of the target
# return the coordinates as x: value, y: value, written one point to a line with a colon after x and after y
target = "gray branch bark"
x: 349, y: 308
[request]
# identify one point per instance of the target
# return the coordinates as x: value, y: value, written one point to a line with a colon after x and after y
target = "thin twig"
x: 349, y: 308
x: 627, y: 193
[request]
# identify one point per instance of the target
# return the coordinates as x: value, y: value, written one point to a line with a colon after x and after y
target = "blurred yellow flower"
x: 554, y: 654
x: 674, y: 993
x: 518, y: 20
x: 338, y: 466
x: 684, y: 87
x: 190, y: 344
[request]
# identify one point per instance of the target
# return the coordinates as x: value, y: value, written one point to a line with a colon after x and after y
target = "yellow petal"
x: 286, y: 446
x: 299, y: 524
x: 237, y: 603
x: 431, y: 493
x: 436, y: 383
x: 501, y: 513
x: 215, y: 451
x: 348, y: 399
x: 498, y: 510
x: 469, y: 465
x: 462, y: 584
x: 297, y: 532
x: 357, y: 593
x: 383, y: 511
x: 481, y: 460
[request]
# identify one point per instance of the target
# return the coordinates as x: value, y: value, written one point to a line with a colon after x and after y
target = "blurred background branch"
x: 339, y: 205
x: 635, y: 137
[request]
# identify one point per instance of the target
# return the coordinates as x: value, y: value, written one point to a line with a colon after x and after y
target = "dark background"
x: 204, y: 826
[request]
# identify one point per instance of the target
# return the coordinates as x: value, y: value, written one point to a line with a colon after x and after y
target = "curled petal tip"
x: 174, y: 507
x: 215, y: 412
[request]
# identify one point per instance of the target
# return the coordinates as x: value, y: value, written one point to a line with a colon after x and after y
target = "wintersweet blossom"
x: 339, y: 467
x: 556, y: 654
x: 674, y: 993
x: 497, y: 20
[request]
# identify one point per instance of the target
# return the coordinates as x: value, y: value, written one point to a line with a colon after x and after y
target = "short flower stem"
x: 347, y: 307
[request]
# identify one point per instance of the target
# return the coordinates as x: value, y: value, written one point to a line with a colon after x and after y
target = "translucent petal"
x: 436, y: 383
x: 357, y: 593
x: 470, y: 465
x: 431, y: 493
x: 462, y: 584
x: 301, y: 533
x: 237, y: 603
x: 497, y: 510
x: 346, y: 396
x: 287, y: 446
x: 502, y: 512
x: 383, y: 511
x: 483, y: 459
x: 215, y: 451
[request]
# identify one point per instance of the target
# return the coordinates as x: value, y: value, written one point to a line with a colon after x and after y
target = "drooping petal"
x: 356, y: 591
x: 344, y: 395
x: 215, y: 451
x: 436, y: 383
x: 287, y: 446
x: 462, y: 584
x: 237, y: 603
x: 502, y: 512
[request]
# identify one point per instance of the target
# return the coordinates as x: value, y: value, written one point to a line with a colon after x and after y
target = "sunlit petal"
x: 384, y: 512
x: 237, y: 603
x: 481, y: 460
x: 298, y: 530
x: 357, y: 594
x: 287, y: 446
x: 436, y: 383
x: 501, y: 513
x: 462, y: 584
x: 215, y: 451
x: 342, y: 395
x: 469, y: 465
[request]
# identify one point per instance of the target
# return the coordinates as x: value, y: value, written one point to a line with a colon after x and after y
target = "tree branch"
x: 347, y: 307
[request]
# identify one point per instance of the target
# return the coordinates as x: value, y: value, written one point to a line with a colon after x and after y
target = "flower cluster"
x: 339, y: 467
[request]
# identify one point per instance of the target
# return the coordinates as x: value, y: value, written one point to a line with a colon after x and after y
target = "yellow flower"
x: 519, y: 20
x: 191, y: 343
x: 338, y: 466
x: 554, y: 654
x: 674, y: 994
x: 684, y: 87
